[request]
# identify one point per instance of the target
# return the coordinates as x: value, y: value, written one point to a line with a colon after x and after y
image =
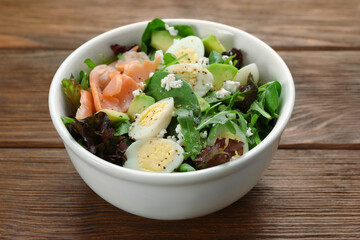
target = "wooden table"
x: 311, y: 189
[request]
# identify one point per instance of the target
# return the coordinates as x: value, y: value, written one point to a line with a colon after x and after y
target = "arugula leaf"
x: 238, y: 60
x: 106, y: 61
x: 90, y: 63
x: 170, y: 59
x: 184, y: 97
x: 155, y: 25
x: 259, y: 107
x: 192, y: 139
x: 227, y: 61
x: 230, y: 127
x: 215, y: 57
x: 66, y: 120
x: 120, y: 57
x: 71, y: 88
x: 84, y: 80
x: 219, y: 118
x: 272, y: 98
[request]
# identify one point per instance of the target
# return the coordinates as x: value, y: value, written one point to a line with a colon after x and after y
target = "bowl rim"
x: 177, y: 177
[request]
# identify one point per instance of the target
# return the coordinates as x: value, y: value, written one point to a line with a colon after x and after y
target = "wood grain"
x: 308, y: 194
x: 326, y: 113
x: 67, y: 24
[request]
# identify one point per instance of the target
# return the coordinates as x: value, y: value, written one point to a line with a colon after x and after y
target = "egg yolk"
x: 152, y: 114
x: 187, y: 73
x: 155, y: 155
x: 191, y: 57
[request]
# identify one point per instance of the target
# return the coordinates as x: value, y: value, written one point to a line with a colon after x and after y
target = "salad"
x: 174, y: 103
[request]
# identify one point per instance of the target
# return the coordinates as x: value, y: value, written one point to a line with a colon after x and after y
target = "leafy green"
x: 120, y: 57
x: 84, y: 80
x: 185, y: 167
x: 122, y: 128
x: 191, y: 135
x: 97, y: 135
x: 155, y: 25
x: 183, y: 96
x: 170, y: 59
x: 71, y: 88
x: 159, y: 25
x: 219, y: 153
x: 215, y: 57
x: 90, y: 63
x: 184, y: 30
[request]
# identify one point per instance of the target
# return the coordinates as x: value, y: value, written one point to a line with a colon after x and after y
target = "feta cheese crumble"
x: 137, y: 92
x: 222, y: 93
x: 162, y: 133
x: 171, y: 30
x: 248, y: 132
x: 169, y: 82
x: 160, y: 54
x: 180, y: 135
x: 172, y: 138
x: 204, y: 61
x: 231, y: 86
x: 204, y: 134
x: 224, y: 57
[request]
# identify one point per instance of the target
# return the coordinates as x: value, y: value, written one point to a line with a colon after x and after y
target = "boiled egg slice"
x: 243, y: 74
x: 154, y: 155
x: 152, y: 120
x: 191, y: 45
x: 199, y: 78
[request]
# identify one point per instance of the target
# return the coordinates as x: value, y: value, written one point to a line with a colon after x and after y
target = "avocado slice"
x: 221, y: 73
x: 115, y: 116
x: 139, y: 104
x: 211, y: 43
x: 204, y: 105
x: 161, y: 40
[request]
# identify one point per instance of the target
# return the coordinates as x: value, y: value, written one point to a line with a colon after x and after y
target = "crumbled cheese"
x: 248, y: 132
x: 162, y: 133
x: 204, y: 134
x: 224, y: 57
x: 172, y: 30
x: 179, y: 135
x: 222, y: 93
x: 231, y: 86
x: 160, y: 54
x: 204, y: 61
x: 209, y: 85
x: 169, y: 82
x: 151, y: 74
x: 173, y: 138
x: 137, y: 92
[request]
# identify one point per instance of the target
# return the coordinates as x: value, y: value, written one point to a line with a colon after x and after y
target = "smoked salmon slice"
x: 111, y: 89
x: 86, y: 108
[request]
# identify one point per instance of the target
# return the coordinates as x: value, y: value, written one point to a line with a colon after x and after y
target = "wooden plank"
x: 326, y: 112
x: 67, y: 24
x: 308, y: 194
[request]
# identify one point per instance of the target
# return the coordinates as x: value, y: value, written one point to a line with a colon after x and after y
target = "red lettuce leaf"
x: 238, y: 58
x: 117, y: 49
x: 219, y: 153
x: 96, y: 135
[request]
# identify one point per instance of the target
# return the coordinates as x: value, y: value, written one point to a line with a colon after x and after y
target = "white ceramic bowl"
x: 175, y: 195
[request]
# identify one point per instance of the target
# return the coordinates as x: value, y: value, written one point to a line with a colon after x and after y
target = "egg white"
x: 153, y: 158
x: 152, y: 120
x: 188, y: 45
x: 243, y: 74
x: 199, y: 78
